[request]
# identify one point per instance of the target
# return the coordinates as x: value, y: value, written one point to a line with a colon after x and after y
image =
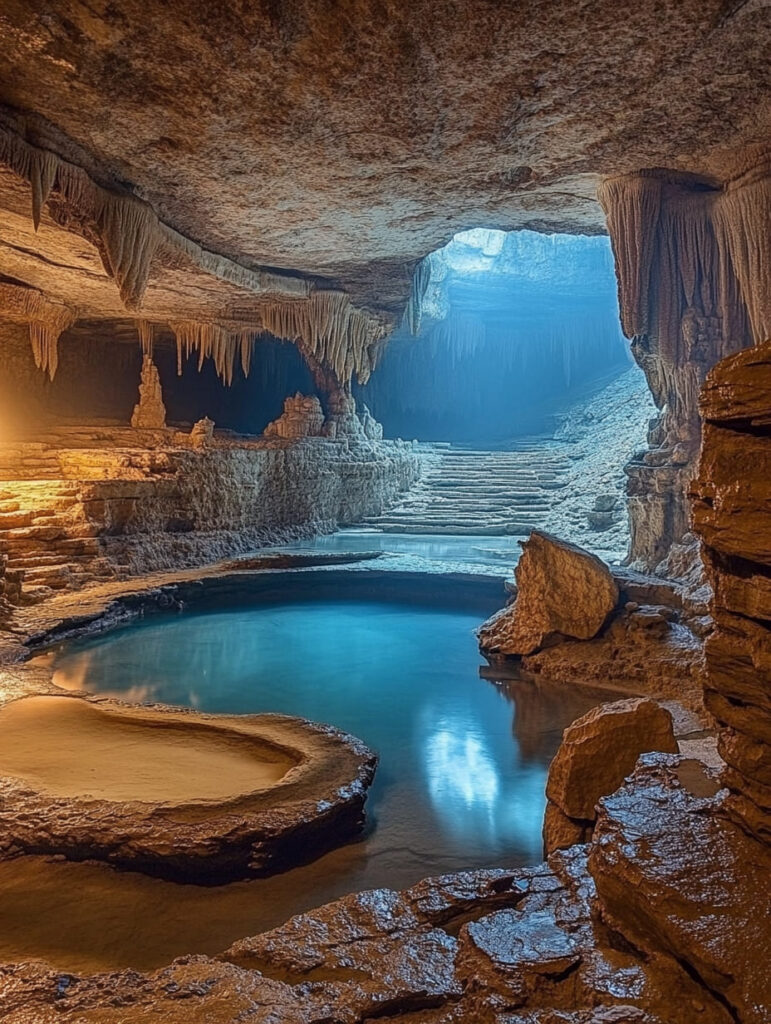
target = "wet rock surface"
x: 597, y: 752
x: 675, y: 875
x: 312, y: 801
x: 562, y: 591
x: 488, y: 946
x: 732, y: 501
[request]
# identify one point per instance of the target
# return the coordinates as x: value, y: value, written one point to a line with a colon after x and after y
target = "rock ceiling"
x: 344, y: 140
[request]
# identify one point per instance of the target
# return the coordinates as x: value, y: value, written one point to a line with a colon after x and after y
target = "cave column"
x: 687, y: 298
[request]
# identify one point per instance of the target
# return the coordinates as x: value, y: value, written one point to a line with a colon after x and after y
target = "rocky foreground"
x: 660, y: 920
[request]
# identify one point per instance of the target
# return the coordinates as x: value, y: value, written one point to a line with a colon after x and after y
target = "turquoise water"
x: 454, y: 787
x: 460, y: 783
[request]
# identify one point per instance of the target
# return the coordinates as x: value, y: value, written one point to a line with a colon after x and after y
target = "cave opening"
x: 514, y: 328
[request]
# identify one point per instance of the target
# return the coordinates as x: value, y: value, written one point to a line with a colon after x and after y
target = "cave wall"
x: 98, y: 376
x: 690, y: 258
x: 731, y: 507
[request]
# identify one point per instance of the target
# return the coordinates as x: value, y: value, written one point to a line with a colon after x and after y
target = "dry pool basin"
x: 174, y: 792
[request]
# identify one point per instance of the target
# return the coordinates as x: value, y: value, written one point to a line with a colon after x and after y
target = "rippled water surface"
x: 460, y: 783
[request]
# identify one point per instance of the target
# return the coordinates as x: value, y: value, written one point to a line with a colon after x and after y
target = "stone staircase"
x: 481, y: 493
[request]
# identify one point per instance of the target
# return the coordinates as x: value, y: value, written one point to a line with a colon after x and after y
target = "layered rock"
x: 732, y: 512
x: 597, y: 752
x: 562, y: 591
x: 90, y: 504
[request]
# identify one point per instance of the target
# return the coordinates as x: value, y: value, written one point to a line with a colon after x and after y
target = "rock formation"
x: 597, y: 752
x: 91, y: 504
x: 202, y: 433
x: 732, y: 501
x: 688, y: 255
x: 562, y: 591
x: 150, y: 412
x: 302, y: 417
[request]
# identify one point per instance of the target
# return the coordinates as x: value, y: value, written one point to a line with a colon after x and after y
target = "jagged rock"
x: 373, y: 430
x: 302, y: 417
x: 562, y: 591
x: 492, y: 946
x: 202, y: 433
x: 674, y: 875
x: 150, y: 412
x: 597, y: 752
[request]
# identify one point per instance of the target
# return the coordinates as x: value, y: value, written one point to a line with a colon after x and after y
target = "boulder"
x: 601, y: 748
x: 562, y: 591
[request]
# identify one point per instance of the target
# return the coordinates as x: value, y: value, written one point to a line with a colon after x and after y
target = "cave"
x: 385, y: 526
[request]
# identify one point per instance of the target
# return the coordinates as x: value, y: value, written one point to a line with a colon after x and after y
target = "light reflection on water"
x: 460, y: 782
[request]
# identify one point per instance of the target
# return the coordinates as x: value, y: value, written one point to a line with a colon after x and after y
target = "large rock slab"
x: 674, y: 875
x: 562, y: 591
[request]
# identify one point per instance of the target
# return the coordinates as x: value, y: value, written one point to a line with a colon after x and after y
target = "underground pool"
x: 460, y: 782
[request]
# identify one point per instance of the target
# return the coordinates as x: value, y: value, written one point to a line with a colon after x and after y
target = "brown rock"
x: 562, y: 591
x: 600, y: 749
x: 561, y: 832
x: 731, y: 503
x: 674, y: 875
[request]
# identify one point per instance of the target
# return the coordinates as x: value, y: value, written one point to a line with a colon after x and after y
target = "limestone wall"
x: 108, y: 506
x: 732, y: 513
x: 689, y: 261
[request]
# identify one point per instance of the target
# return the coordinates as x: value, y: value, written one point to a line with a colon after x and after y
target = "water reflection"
x: 460, y: 782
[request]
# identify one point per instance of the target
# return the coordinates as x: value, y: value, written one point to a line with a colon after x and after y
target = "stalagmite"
x: 149, y: 412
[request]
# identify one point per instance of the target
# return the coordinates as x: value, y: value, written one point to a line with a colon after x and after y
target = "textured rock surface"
x: 302, y: 417
x: 95, y: 503
x: 150, y: 412
x: 562, y: 591
x: 513, y: 134
x: 316, y: 804
x: 597, y: 752
x: 691, y: 291
x: 674, y: 875
x: 732, y: 511
x: 487, y: 946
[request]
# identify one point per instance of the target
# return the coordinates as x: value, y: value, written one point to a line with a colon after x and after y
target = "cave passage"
x: 515, y: 328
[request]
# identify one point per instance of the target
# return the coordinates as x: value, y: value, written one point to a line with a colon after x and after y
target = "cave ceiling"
x: 344, y: 140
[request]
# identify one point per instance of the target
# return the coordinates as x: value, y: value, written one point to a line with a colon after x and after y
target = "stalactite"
x: 146, y: 332
x: 131, y: 236
x: 43, y: 167
x: 217, y: 342
x: 47, y: 321
x: 743, y: 225
x: 331, y: 328
x: 413, y: 311
x: 130, y: 229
